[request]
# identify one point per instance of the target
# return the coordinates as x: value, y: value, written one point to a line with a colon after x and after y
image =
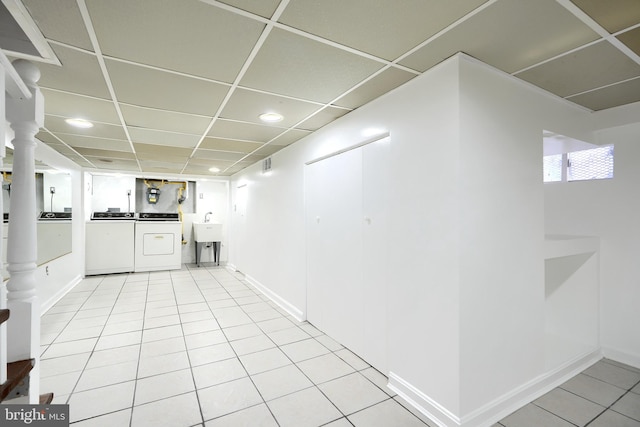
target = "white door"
x: 375, y: 248
x: 334, y: 246
x: 346, y: 203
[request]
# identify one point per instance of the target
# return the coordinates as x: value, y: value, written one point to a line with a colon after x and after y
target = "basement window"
x: 552, y: 167
x: 566, y: 159
x: 596, y: 163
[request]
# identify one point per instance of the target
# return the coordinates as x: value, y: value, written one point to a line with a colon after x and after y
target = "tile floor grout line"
x: 610, y: 407
x: 193, y: 378
x: 243, y: 367
x: 96, y: 343
x: 201, y: 289
x: 135, y: 384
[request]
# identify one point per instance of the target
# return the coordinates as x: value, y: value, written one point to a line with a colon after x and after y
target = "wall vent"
x: 266, y: 165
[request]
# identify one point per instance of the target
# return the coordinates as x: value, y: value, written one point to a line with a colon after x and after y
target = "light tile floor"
x: 202, y: 347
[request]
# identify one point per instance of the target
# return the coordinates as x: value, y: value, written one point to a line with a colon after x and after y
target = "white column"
x: 26, y: 116
x: 3, y: 289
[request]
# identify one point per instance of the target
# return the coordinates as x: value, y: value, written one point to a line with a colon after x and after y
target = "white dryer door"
x: 158, y: 244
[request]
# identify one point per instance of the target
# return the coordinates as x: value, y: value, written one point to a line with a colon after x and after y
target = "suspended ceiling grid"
x: 176, y: 86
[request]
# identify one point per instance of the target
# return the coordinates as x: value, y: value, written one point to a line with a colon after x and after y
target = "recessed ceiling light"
x: 80, y: 123
x: 270, y: 117
x: 214, y: 169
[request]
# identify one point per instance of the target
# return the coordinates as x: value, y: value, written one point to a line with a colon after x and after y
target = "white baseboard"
x: 622, y: 356
x: 499, y: 408
x: 282, y: 303
x: 46, y: 305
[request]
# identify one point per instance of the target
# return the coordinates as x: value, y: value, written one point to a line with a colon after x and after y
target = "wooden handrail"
x: 4, y: 315
x: 16, y: 372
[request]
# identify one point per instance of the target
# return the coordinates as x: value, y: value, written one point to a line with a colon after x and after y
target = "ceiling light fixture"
x: 214, y: 169
x: 79, y: 123
x: 270, y: 117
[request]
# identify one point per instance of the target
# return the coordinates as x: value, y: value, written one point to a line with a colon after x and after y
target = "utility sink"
x: 207, y: 232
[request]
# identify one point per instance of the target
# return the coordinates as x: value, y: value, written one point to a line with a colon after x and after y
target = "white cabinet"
x: 347, y: 247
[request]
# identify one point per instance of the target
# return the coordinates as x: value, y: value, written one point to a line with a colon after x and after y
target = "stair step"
x: 16, y: 372
x: 45, y: 399
x: 4, y: 315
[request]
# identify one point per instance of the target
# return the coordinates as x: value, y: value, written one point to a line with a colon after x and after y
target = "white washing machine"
x: 110, y: 243
x: 158, y: 242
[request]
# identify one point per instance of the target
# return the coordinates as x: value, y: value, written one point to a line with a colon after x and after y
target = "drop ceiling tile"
x: 92, y: 152
x: 187, y: 36
x: 80, y: 161
x: 246, y: 105
x: 156, y: 166
x: 613, y: 15
x: 79, y: 106
x: 217, y: 155
x: 631, y: 39
x: 160, y: 152
x: 202, y: 162
x: 63, y: 149
x: 202, y: 167
x: 528, y: 32
x: 152, y: 136
x: 610, y: 96
x: 57, y: 124
x: 90, y: 142
x: 114, y: 164
x: 147, y: 87
x: 229, y: 145
x: 322, y: 118
x: 384, y: 28
x: 60, y: 20
x: 246, y: 131
x: 79, y: 73
x: 268, y: 149
x: 158, y: 157
x: 595, y: 66
x: 164, y: 120
x: 235, y: 168
x: 293, y: 65
x: 264, y: 8
x: 377, y: 86
x: 290, y: 137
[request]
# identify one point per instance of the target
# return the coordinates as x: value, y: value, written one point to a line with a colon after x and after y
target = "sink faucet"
x: 206, y: 216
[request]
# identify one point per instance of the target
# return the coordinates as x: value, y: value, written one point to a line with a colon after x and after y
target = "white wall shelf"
x: 571, y: 298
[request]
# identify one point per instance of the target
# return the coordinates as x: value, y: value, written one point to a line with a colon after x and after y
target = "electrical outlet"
x: 52, y: 190
x: 202, y: 195
x: 128, y: 192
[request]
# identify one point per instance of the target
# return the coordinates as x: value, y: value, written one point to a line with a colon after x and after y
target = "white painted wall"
x: 466, y: 303
x: 62, y: 198
x: 502, y: 232
x: 103, y: 191
x: 609, y: 209
x: 110, y: 191
x: 421, y: 118
x: 60, y: 275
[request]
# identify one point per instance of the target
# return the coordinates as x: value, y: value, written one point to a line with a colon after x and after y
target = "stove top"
x: 113, y: 215
x: 158, y: 216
